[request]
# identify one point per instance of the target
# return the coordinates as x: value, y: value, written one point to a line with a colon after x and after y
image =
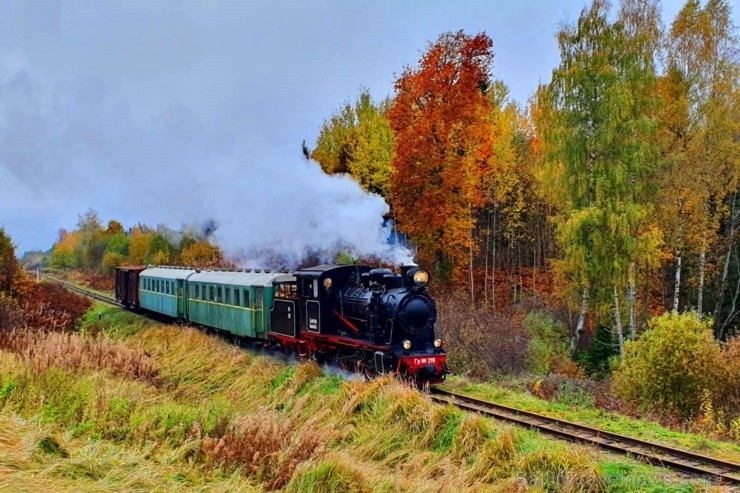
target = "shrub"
x: 670, y: 365
x: 52, y: 307
x: 729, y: 379
x: 548, y: 347
x: 11, y: 314
x: 481, y: 342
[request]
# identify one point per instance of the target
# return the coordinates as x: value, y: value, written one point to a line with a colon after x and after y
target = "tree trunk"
x: 485, y: 259
x: 631, y: 301
x: 618, y: 322
x: 493, y: 264
x: 580, y: 324
x: 470, y: 264
x: 702, y: 262
x: 734, y: 216
x: 677, y: 279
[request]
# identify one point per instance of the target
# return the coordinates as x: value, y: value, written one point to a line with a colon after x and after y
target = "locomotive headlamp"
x: 421, y: 277
x: 438, y: 343
x: 406, y: 344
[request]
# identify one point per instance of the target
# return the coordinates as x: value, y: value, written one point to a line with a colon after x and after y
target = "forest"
x: 614, y: 191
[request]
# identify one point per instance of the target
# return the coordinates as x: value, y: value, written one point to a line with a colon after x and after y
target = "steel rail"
x: 80, y: 290
x: 717, y: 470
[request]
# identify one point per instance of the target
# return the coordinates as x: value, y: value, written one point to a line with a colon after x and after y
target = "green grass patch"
x: 113, y: 321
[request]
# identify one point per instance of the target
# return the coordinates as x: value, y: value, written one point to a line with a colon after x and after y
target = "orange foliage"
x: 441, y: 121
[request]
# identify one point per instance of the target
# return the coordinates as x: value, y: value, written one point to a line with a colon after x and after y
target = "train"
x: 367, y: 320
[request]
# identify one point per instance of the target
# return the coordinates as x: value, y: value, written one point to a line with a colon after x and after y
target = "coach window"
x: 237, y: 301
x: 219, y: 295
x: 227, y: 296
x: 246, y: 297
x: 212, y: 293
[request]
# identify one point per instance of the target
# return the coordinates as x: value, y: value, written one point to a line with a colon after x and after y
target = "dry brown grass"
x: 41, y: 350
x: 264, y: 446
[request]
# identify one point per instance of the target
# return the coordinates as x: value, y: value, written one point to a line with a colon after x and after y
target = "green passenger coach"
x: 163, y: 290
x: 234, y: 301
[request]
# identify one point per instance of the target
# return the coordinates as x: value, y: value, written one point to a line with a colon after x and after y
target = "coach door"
x: 311, y: 308
x: 180, y: 298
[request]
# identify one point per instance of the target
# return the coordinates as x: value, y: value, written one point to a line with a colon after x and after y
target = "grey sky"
x: 174, y: 112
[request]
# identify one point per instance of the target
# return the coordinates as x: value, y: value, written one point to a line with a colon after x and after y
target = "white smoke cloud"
x: 72, y: 145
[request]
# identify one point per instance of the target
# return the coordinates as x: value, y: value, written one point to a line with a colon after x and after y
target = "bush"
x: 721, y: 410
x: 481, y: 342
x: 671, y: 365
x: 50, y: 306
x: 548, y: 348
x: 11, y: 314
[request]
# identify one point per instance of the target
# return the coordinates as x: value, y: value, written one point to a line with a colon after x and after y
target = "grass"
x: 583, y: 411
x: 216, y: 418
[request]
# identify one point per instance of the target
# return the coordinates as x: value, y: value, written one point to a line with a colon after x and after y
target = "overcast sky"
x: 174, y: 112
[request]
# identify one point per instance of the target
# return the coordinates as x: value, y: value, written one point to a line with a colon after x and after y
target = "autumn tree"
x: 64, y: 252
x: 9, y: 266
x: 160, y: 249
x: 699, y: 130
x: 441, y: 121
x: 358, y: 140
x: 511, y: 197
x: 139, y: 245
x: 201, y: 254
x: 602, y: 95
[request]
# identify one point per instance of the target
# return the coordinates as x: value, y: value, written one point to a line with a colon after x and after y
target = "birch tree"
x: 602, y: 95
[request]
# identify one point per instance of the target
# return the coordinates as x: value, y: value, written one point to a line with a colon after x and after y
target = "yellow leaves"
x: 201, y: 254
x: 139, y: 247
x: 358, y: 140
x: 64, y: 253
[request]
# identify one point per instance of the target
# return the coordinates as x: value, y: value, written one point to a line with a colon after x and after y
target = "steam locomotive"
x: 367, y: 320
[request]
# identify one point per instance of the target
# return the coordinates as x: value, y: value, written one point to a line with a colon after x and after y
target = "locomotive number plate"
x: 425, y: 361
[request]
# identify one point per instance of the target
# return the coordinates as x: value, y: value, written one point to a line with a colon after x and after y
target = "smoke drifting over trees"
x: 173, y: 169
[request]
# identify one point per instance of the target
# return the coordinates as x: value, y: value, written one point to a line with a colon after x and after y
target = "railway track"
x: 84, y: 292
x: 716, y: 470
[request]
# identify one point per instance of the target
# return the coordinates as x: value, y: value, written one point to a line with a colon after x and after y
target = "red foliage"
x: 52, y: 307
x: 441, y: 121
